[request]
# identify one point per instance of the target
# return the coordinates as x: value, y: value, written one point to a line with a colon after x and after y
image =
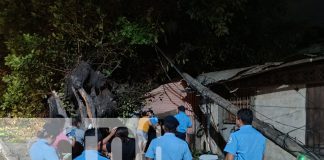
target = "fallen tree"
x: 88, y: 92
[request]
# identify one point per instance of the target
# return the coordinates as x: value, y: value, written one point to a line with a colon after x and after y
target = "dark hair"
x: 245, y: 115
x: 144, y: 113
x: 170, y: 124
x: 181, y: 108
x: 122, y: 133
x: 91, y: 133
x: 76, y: 121
x: 150, y: 111
x: 77, y: 149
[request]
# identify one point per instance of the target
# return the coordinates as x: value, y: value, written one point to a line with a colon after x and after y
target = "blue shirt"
x: 154, y: 121
x: 168, y: 147
x: 184, y: 122
x: 41, y: 150
x: 246, y: 144
x: 90, y: 155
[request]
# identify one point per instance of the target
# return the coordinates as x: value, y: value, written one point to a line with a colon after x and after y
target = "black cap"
x: 171, y: 123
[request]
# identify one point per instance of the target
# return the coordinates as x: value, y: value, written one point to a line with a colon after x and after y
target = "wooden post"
x: 281, y: 139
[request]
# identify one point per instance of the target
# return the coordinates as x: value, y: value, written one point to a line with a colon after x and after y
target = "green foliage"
x: 45, y: 40
x: 39, y: 62
x: 134, y: 33
x: 19, y: 98
x: 216, y: 14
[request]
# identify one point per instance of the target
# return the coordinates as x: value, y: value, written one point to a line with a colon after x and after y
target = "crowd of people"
x: 58, y: 142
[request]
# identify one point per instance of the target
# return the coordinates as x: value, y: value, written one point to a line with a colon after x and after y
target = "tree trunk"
x: 82, y: 109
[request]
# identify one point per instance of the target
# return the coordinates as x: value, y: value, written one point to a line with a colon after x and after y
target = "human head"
x: 244, y: 117
x: 92, y: 137
x: 170, y: 124
x: 181, y: 109
x: 144, y: 113
x: 150, y: 113
x: 76, y: 122
x: 122, y: 133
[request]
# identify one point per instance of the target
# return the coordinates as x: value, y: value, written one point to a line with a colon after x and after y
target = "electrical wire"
x: 287, y: 136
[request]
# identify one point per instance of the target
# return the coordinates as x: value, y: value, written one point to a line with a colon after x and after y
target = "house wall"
x: 286, y: 107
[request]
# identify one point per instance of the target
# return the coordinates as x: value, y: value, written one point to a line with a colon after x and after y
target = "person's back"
x: 90, y: 155
x: 168, y: 146
x: 184, y: 123
x: 144, y: 124
x: 248, y: 143
x: 171, y: 147
x: 41, y: 150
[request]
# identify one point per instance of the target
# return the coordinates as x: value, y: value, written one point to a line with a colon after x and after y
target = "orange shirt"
x: 143, y: 124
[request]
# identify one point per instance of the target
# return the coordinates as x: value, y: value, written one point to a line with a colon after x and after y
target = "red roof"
x: 165, y: 99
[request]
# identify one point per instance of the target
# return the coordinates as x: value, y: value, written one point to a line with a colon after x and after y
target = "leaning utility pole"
x: 281, y: 139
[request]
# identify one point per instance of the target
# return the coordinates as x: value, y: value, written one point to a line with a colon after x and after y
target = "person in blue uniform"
x: 184, y: 123
x: 91, y: 146
x: 42, y: 149
x: 247, y: 142
x: 168, y: 146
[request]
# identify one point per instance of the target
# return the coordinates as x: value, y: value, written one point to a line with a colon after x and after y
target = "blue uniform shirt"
x: 90, y: 155
x: 154, y: 121
x: 184, y: 122
x: 41, y: 150
x: 168, y: 147
x: 246, y: 144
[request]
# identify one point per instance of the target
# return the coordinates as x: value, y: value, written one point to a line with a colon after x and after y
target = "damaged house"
x: 286, y: 95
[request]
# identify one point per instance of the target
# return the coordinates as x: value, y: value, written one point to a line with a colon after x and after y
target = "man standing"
x: 184, y: 123
x: 247, y: 142
x: 168, y: 146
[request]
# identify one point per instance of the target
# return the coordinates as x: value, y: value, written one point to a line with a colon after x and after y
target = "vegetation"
x: 42, y: 41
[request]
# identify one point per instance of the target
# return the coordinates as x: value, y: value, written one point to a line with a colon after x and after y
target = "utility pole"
x: 281, y: 139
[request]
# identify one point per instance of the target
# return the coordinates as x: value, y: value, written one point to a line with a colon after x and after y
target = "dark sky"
x: 309, y: 12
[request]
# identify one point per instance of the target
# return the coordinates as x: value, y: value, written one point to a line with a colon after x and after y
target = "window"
x: 241, y: 102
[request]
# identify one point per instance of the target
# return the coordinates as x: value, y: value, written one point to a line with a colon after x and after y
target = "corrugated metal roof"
x: 238, y: 73
x: 214, y: 77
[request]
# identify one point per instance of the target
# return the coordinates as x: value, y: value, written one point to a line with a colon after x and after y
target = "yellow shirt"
x: 143, y: 124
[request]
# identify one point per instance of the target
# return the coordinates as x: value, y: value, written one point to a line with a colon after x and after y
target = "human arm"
x: 231, y: 147
x: 189, y: 125
x: 229, y: 156
x: 187, y: 153
x: 150, y: 153
x: 111, y: 135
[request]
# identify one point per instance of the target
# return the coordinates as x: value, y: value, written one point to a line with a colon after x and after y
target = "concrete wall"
x: 286, y: 107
